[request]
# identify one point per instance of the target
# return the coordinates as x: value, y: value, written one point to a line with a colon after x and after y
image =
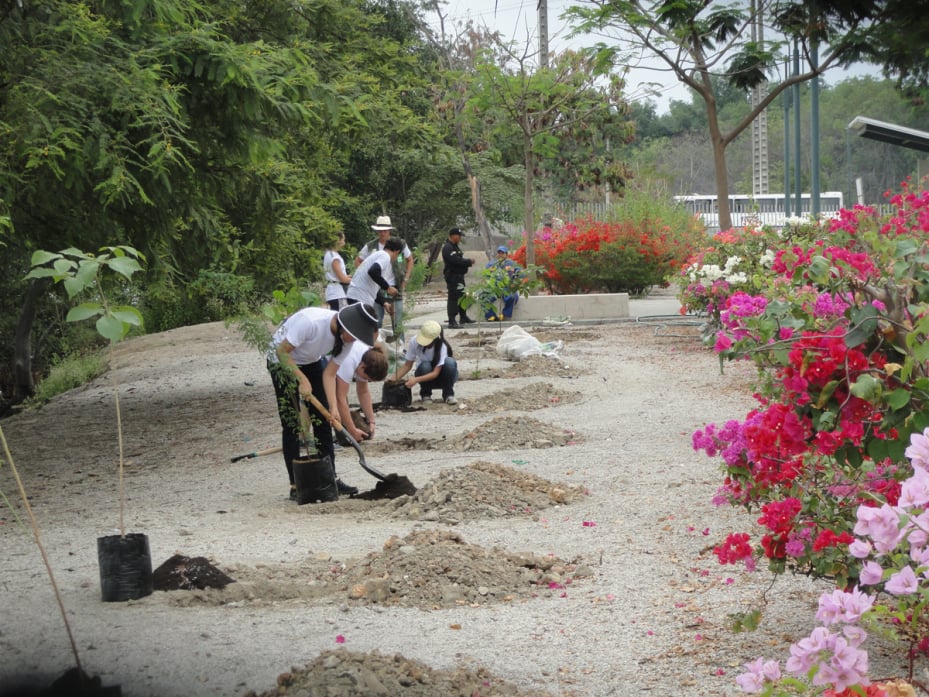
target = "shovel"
x: 259, y: 453
x: 373, y: 471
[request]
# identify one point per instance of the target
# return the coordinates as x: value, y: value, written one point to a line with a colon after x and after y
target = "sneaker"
x: 454, y: 325
x: 346, y: 489
x: 467, y: 320
x: 451, y: 400
x: 426, y: 399
x: 293, y: 492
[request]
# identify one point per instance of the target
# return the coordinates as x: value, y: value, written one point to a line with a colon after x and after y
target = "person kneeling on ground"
x: 504, y: 275
x: 435, y: 365
x: 362, y: 364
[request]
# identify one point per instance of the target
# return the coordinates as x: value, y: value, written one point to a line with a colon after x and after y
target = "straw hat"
x: 383, y: 223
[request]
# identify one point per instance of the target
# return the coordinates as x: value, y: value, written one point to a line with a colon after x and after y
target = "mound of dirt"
x: 432, y: 569
x: 343, y: 673
x: 484, y: 490
x: 181, y: 572
x: 514, y: 432
x: 501, y: 433
x: 538, y: 395
x: 428, y: 569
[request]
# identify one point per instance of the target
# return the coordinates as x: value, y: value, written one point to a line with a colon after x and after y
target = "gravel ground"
x: 559, y: 542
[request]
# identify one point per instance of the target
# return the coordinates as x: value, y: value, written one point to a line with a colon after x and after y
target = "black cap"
x: 456, y: 231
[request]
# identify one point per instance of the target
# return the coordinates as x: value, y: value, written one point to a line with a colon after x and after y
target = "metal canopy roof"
x: 890, y: 133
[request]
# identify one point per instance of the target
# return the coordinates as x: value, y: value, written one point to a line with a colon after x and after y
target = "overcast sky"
x: 517, y: 20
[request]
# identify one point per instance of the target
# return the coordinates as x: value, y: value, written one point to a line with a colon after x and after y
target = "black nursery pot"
x: 125, y: 567
x: 315, y: 480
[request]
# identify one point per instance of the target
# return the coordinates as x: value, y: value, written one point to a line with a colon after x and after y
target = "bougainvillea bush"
x: 586, y: 255
x: 892, y: 542
x: 733, y: 261
x: 836, y: 321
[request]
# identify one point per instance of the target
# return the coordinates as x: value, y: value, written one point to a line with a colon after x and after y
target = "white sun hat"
x: 383, y: 223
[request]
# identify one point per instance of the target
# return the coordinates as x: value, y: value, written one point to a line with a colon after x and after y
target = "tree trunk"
x: 528, y: 212
x: 23, y: 381
x: 477, y: 203
x: 719, y: 163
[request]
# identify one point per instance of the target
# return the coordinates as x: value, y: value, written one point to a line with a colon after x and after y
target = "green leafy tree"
x: 543, y: 106
x: 711, y: 47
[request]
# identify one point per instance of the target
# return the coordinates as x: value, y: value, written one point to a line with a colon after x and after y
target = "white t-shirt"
x: 363, y: 288
x: 334, y: 289
x: 309, y: 332
x: 417, y: 354
x: 348, y: 362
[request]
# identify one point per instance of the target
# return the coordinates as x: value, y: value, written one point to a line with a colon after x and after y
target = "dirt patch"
x: 342, y: 673
x: 501, y: 433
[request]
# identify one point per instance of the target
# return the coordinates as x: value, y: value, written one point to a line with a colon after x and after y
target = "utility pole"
x: 760, y: 124
x: 542, y: 8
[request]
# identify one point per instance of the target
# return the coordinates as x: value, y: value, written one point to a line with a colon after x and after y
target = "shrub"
x: 587, y: 255
x: 838, y: 328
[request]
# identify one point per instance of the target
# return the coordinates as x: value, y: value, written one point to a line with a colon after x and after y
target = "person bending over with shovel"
x: 362, y: 364
x: 297, y: 359
x: 435, y: 367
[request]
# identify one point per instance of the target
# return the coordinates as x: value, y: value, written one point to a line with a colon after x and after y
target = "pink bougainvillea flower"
x: 339, y: 639
x: 871, y: 573
x: 589, y: 524
x: 918, y: 450
x: 903, y: 582
x: 914, y: 492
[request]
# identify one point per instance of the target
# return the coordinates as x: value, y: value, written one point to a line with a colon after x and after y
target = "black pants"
x: 288, y: 407
x: 455, y: 287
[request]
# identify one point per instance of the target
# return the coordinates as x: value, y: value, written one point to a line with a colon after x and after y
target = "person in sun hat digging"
x: 431, y: 353
x: 297, y: 360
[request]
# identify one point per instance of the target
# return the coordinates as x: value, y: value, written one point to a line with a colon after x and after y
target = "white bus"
x: 766, y: 209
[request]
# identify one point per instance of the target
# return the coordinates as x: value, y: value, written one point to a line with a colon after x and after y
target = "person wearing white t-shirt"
x: 361, y: 364
x: 374, y: 282
x: 296, y: 359
x: 403, y: 266
x: 337, y: 279
x: 435, y: 366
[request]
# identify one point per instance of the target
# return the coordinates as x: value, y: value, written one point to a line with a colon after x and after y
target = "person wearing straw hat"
x: 436, y: 367
x: 296, y: 359
x: 402, y: 266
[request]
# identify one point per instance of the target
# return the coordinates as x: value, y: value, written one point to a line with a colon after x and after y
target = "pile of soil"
x: 538, y: 395
x: 428, y: 569
x: 342, y: 673
x: 501, y: 433
x: 484, y: 490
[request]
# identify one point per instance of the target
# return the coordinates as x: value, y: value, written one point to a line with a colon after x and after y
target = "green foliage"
x: 81, y: 271
x: 257, y: 327
x: 221, y: 294
x: 71, y: 371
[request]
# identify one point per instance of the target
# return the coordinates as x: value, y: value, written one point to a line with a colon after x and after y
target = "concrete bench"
x: 587, y: 306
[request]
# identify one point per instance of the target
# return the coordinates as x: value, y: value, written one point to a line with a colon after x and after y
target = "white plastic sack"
x: 516, y: 343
